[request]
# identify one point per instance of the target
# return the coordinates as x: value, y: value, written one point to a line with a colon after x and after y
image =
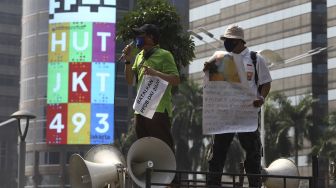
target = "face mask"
x: 139, y: 42
x: 229, y: 45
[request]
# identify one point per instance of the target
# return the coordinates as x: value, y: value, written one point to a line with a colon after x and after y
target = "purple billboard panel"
x: 103, y: 42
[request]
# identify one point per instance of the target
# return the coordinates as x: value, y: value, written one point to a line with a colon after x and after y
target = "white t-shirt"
x: 244, y: 58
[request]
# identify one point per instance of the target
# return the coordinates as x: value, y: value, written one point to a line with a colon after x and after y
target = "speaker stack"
x: 281, y: 167
x: 103, y: 166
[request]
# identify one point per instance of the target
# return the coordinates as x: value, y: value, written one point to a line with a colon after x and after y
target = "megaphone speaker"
x: 154, y: 153
x: 98, y: 170
x: 283, y: 167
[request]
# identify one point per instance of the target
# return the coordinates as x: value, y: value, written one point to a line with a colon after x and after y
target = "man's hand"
x: 127, y: 51
x: 207, y: 65
x: 259, y: 101
x: 170, y: 78
x: 149, y: 71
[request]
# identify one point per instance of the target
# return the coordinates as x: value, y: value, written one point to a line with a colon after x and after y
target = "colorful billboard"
x: 81, y: 72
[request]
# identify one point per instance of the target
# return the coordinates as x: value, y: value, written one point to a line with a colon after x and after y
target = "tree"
x: 187, y: 130
x: 280, y: 116
x: 187, y: 126
x: 172, y: 38
x: 162, y: 14
x: 326, y: 145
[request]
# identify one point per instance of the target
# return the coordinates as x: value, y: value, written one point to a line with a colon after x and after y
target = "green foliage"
x: 187, y: 127
x: 234, y: 156
x: 162, y: 14
x: 280, y: 116
x: 127, y: 139
x: 326, y: 145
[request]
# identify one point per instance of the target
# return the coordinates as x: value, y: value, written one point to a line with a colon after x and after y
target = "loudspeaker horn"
x: 103, y: 165
x: 280, y: 167
x: 150, y: 152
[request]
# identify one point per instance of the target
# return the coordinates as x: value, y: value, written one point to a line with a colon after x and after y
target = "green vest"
x: 163, y: 61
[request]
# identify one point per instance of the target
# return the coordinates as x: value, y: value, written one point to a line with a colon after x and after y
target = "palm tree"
x: 326, y: 145
x: 187, y: 127
x: 191, y: 145
x: 280, y: 116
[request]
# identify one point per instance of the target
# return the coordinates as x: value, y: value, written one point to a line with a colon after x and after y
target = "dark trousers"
x: 159, y: 127
x: 251, y: 143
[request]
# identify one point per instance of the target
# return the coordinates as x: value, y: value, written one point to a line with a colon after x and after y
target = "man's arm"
x: 169, y: 70
x: 129, y: 74
x: 265, y: 88
x: 171, y: 79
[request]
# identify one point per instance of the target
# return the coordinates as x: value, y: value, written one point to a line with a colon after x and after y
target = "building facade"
x: 10, y: 36
x: 46, y: 165
x: 290, y: 28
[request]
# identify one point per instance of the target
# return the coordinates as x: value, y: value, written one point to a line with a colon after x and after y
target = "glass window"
x: 29, y: 47
x: 28, y: 89
x: 121, y: 89
x: 10, y: 39
x: 9, y: 80
x: 43, y: 19
x: 29, y: 6
x: 3, y: 161
x: 43, y: 5
x: 120, y: 128
x: 50, y: 180
x: 41, y: 87
x: 121, y: 112
x: 29, y: 26
x: 9, y: 59
x: 15, y: 2
x: 39, y: 131
x: 42, y: 43
x: 54, y: 158
x: 120, y: 68
x: 49, y: 158
x: 29, y: 180
x: 9, y: 100
x: 29, y: 159
x: 122, y: 4
x: 7, y: 18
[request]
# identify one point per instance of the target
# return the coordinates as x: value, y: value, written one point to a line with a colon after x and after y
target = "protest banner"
x: 149, y: 95
x: 227, y: 100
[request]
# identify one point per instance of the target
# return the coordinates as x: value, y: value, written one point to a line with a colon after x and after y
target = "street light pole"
x: 199, y: 37
x: 22, y: 114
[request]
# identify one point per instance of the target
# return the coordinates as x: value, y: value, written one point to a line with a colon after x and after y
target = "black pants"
x: 159, y: 127
x: 251, y: 143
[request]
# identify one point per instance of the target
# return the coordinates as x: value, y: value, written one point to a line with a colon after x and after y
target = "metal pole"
x: 22, y: 114
x: 315, y: 171
x: 148, y: 177
x: 21, y: 163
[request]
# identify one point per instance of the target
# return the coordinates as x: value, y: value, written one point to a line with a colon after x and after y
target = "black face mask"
x: 230, y: 45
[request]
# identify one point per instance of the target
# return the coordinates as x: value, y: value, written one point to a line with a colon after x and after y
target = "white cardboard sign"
x: 149, y: 95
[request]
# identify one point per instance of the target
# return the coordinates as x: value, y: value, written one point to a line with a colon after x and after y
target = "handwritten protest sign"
x: 227, y: 100
x: 227, y: 108
x: 149, y: 95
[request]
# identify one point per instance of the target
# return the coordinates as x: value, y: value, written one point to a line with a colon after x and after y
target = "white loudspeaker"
x: 103, y: 165
x: 150, y: 152
x: 283, y: 167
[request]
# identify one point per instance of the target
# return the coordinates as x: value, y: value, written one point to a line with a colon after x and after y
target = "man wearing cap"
x: 259, y: 80
x: 154, y: 61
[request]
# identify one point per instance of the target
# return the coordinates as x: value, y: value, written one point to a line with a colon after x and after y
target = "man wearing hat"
x: 259, y: 80
x: 154, y: 61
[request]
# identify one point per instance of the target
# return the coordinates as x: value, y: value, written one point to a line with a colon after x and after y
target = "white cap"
x: 233, y: 32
